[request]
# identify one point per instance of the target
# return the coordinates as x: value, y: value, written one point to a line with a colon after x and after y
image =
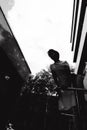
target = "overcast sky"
x: 39, y: 25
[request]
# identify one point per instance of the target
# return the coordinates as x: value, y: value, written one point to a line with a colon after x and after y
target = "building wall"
x: 11, y: 47
x: 79, y: 35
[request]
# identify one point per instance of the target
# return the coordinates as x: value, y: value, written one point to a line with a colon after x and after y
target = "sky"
x: 40, y: 25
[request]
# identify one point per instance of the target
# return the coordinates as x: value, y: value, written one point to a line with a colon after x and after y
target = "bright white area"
x: 39, y: 25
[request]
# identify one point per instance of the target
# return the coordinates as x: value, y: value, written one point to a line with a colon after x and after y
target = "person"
x: 62, y: 77
x: 60, y: 70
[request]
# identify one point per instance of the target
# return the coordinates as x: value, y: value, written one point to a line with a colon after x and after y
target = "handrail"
x: 73, y: 89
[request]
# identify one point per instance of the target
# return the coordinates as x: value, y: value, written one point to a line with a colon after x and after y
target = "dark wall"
x: 10, y: 85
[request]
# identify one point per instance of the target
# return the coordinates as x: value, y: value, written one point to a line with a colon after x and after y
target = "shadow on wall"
x: 6, y: 5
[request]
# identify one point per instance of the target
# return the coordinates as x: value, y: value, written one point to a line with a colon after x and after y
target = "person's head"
x: 54, y: 55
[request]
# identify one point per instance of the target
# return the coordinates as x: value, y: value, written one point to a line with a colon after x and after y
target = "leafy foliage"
x: 41, y: 83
